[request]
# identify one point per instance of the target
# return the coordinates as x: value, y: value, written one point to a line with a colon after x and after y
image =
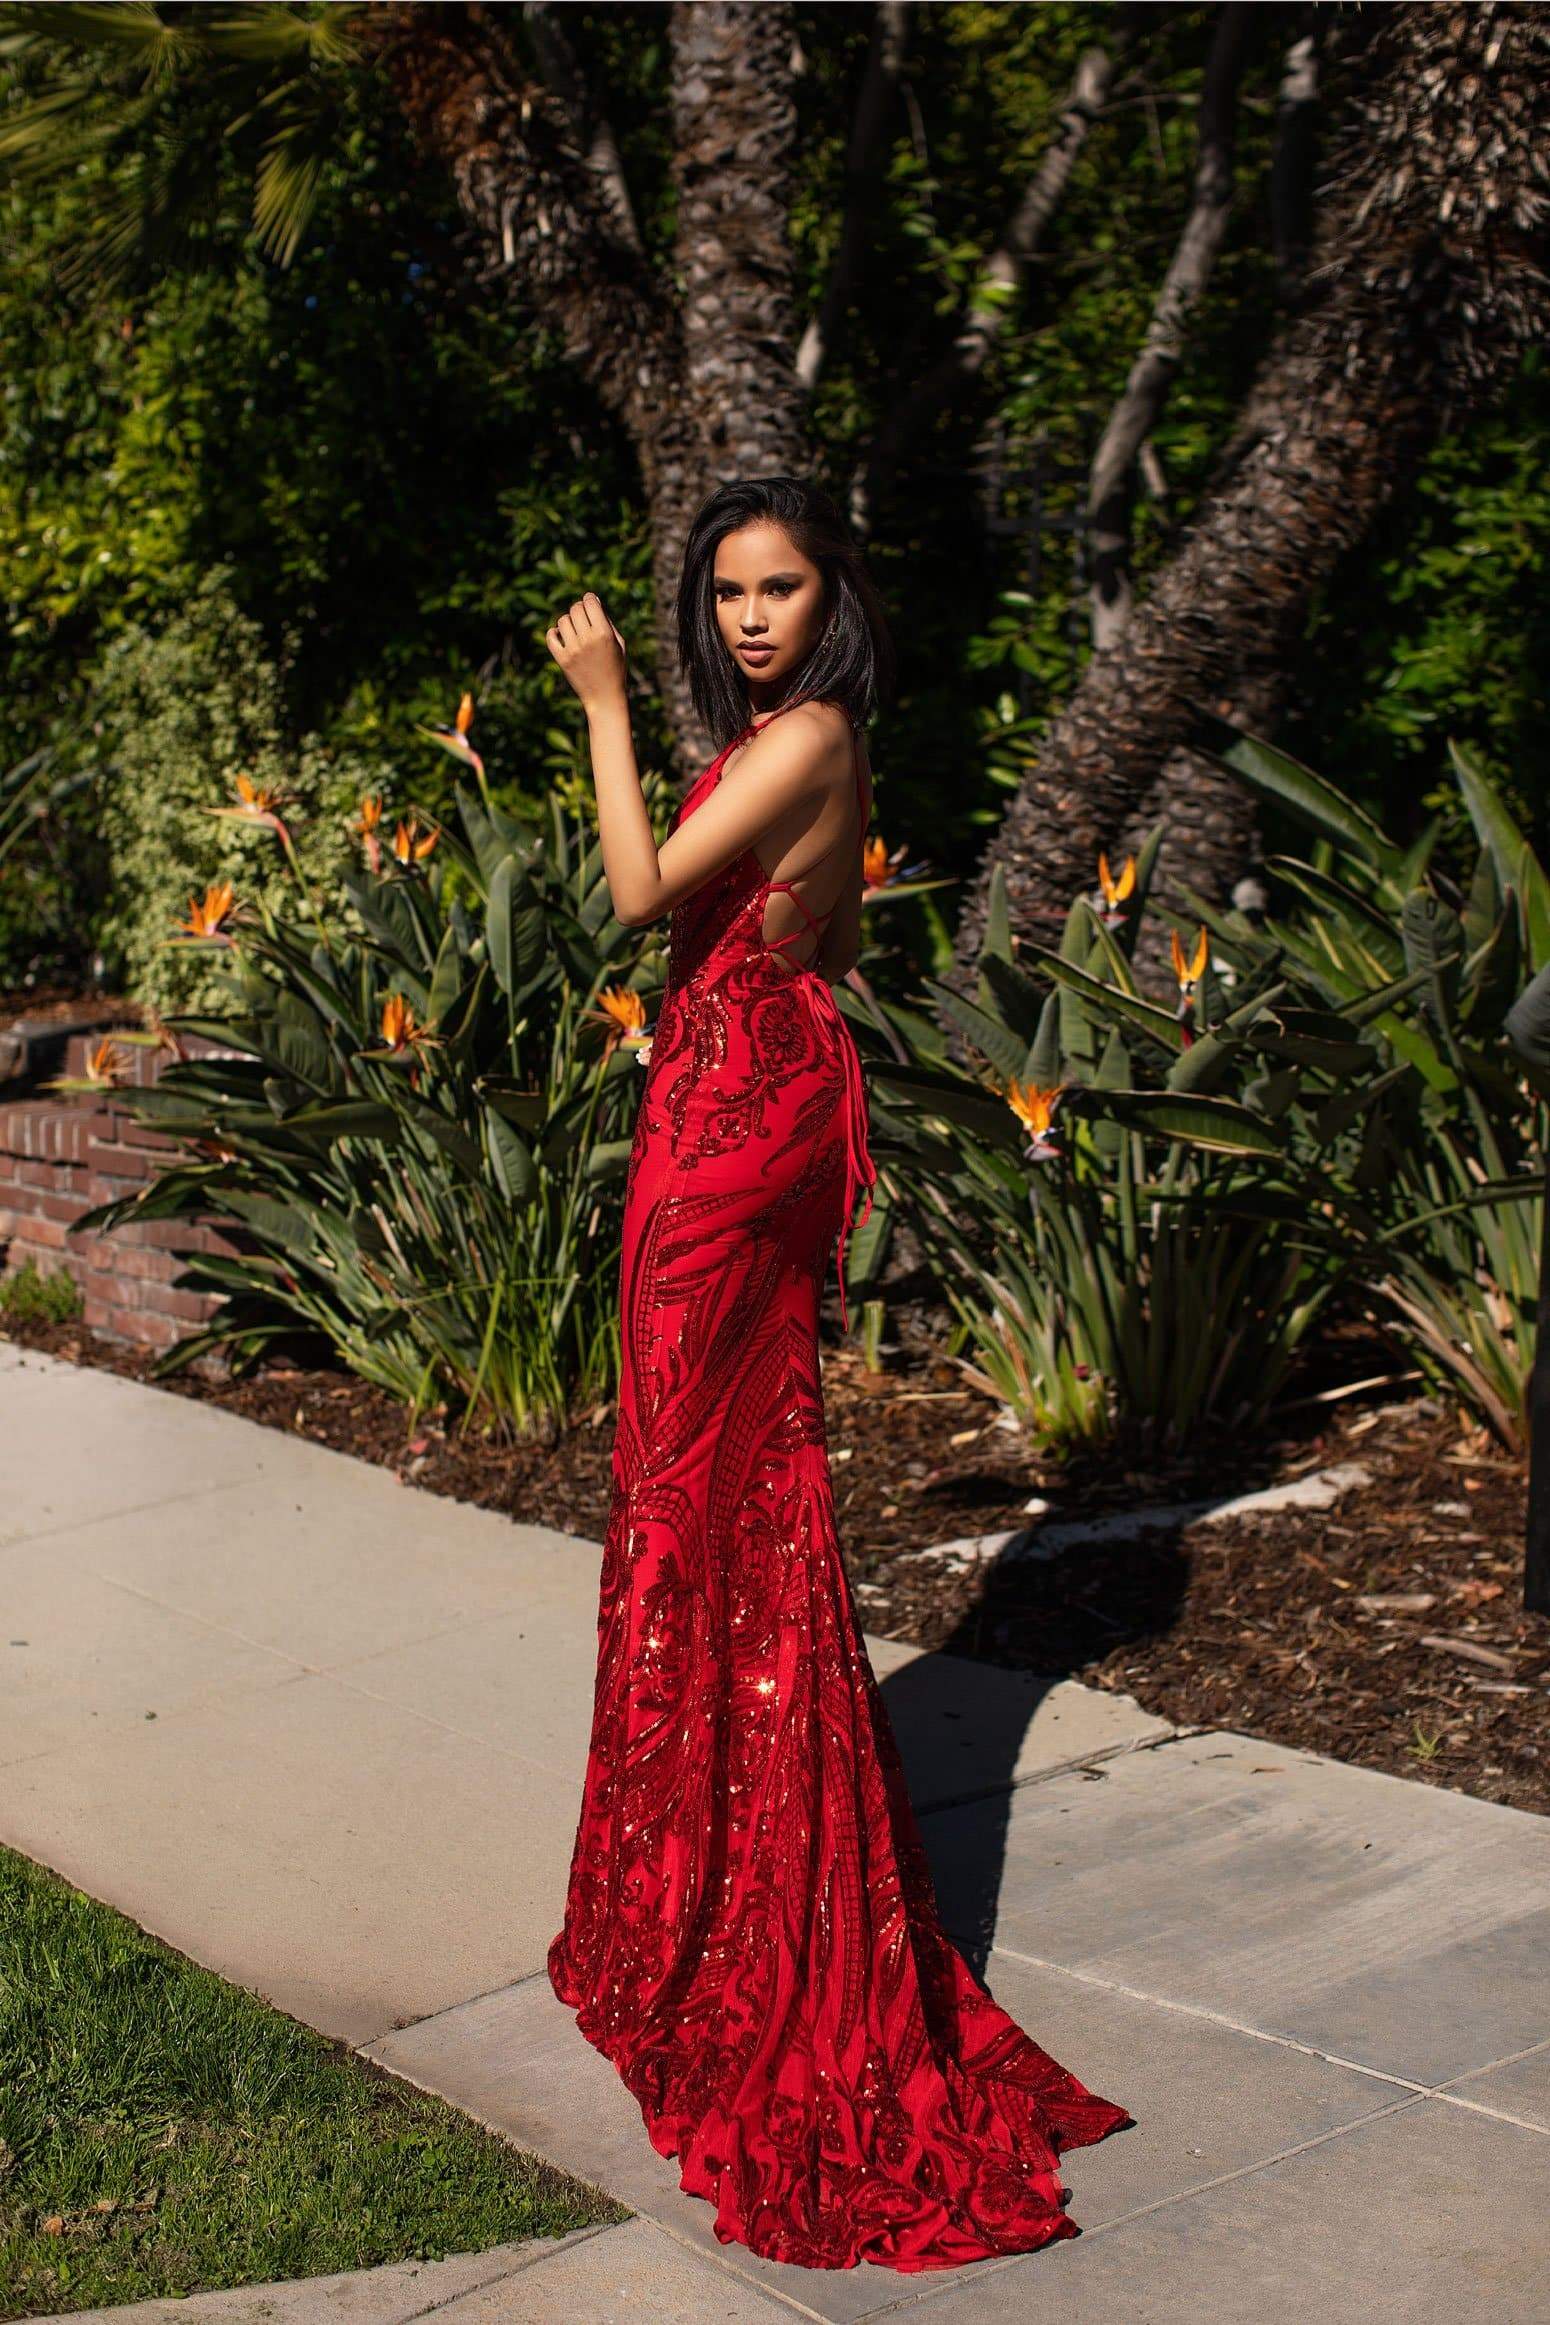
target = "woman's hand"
x: 590, y: 651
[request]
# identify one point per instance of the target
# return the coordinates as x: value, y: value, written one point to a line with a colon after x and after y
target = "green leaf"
x: 1107, y: 1001
x: 1332, y: 894
x: 446, y: 980
x: 1434, y: 941
x: 511, y: 1158
x: 1004, y: 1050
x: 1275, y: 775
x: 1517, y: 866
x: 1219, y: 1125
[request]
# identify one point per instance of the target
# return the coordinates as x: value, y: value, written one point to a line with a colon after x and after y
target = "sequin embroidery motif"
x: 751, y: 1931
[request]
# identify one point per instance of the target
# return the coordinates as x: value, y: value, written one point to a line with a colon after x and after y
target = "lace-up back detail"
x: 748, y: 1031
x: 761, y: 886
x: 818, y: 923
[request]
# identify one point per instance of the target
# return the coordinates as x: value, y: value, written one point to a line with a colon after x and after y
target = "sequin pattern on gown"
x: 751, y: 1933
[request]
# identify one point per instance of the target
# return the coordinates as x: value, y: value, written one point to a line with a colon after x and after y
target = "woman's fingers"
x: 579, y: 618
x: 584, y: 641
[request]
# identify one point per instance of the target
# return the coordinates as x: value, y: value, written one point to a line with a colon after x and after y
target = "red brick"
x: 119, y: 1162
x: 44, y: 1234
x: 161, y: 1234
x: 59, y: 1206
x: 141, y: 1263
x: 18, y: 1251
x: 186, y: 1307
x: 98, y: 1118
x: 149, y: 1331
x: 145, y: 1138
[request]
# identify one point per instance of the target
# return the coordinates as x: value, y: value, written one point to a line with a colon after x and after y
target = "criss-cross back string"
x: 819, y: 922
x: 860, y: 1170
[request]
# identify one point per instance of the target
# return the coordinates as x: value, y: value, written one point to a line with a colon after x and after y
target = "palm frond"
x: 264, y: 34
x: 285, y: 187
x: 159, y: 102
x: 135, y: 29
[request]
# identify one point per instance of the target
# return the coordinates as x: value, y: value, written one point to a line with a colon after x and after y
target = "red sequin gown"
x: 751, y: 1932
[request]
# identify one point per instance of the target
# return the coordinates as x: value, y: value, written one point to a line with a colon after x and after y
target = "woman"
x: 751, y: 1933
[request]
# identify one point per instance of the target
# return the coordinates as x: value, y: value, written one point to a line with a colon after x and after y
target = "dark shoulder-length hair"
x: 850, y: 662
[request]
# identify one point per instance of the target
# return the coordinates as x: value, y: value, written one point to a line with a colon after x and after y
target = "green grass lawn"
x: 163, y: 2132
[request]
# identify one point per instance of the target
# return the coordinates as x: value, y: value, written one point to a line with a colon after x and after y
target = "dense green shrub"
x: 183, y: 712
x: 28, y: 1295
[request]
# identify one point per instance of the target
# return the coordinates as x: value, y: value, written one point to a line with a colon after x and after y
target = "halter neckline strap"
x: 732, y: 740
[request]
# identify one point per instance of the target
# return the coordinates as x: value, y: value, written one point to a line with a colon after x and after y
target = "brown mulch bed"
x: 1387, y: 1630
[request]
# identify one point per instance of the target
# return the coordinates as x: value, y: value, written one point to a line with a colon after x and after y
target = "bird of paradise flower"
x: 411, y: 843
x: 259, y: 804
x: 402, y: 1036
x: 1189, y: 968
x: 107, y: 1068
x: 1035, y: 1109
x: 884, y: 870
x: 1115, y: 891
x: 210, y: 918
x: 109, y: 1064
x: 367, y: 827
x: 622, y: 1015
x: 454, y: 738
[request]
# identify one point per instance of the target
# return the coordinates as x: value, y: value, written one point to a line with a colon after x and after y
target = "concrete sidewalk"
x: 1321, y: 1990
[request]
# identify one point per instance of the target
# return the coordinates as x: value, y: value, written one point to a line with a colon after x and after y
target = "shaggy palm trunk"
x: 697, y: 361
x: 1425, y: 284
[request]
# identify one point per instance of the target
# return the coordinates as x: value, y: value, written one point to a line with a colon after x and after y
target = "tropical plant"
x: 1331, y: 1109
x: 1149, y: 1256
x: 414, y: 1126
x: 1442, y: 1197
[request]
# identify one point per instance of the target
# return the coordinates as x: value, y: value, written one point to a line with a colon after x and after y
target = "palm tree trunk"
x: 700, y: 369
x: 1425, y: 284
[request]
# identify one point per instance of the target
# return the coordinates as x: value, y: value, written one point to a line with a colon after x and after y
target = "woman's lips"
x: 756, y: 653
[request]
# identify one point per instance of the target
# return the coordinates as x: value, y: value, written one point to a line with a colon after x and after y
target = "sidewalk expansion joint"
x: 544, y: 2248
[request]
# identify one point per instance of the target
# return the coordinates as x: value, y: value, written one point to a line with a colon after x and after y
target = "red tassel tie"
x: 860, y: 1170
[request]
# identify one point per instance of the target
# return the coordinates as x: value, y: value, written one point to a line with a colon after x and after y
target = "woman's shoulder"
x: 829, y: 723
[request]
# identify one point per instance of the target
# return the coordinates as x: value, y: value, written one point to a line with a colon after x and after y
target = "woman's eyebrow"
x: 731, y: 579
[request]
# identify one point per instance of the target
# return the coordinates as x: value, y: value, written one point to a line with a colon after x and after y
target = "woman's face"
x: 769, y: 605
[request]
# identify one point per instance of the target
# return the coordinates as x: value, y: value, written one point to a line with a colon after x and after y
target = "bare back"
x: 812, y: 905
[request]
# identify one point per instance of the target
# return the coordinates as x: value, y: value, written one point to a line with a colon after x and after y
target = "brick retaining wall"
x: 60, y: 1156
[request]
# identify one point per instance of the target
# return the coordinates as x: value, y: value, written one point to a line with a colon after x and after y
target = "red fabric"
x: 751, y: 1931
